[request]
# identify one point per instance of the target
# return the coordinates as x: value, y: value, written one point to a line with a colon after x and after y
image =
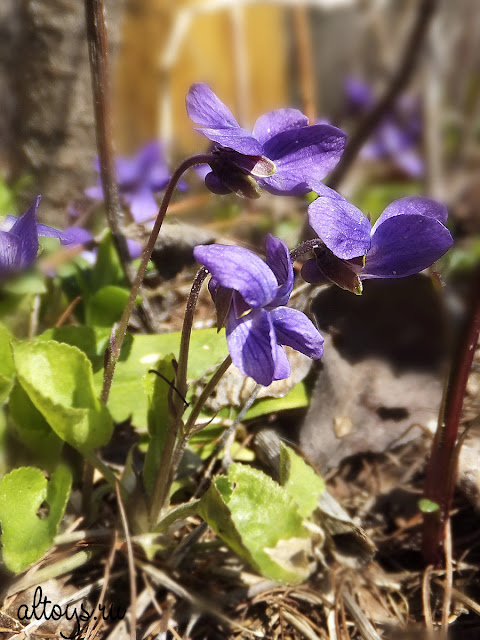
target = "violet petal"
x: 405, y: 244
x: 311, y: 273
x: 96, y: 192
x: 142, y: 204
x: 69, y: 236
x: 206, y: 109
x: 294, y: 329
x: 253, y: 346
x: 25, y: 228
x: 273, y: 122
x: 413, y: 205
x: 342, y: 227
x: 239, y: 269
x: 236, y: 138
x: 278, y: 259
x: 282, y: 365
x: 303, y: 157
x: 10, y: 253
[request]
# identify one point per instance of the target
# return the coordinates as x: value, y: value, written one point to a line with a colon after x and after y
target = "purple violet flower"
x: 409, y: 236
x: 138, y: 179
x: 397, y: 136
x: 250, y: 295
x: 19, y: 239
x: 283, y: 155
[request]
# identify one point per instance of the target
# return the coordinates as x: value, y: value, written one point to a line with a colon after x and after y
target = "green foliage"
x: 105, y: 307
x: 34, y: 431
x: 127, y: 397
x: 7, y: 367
x: 260, y: 521
x: 9, y: 195
x: 26, y: 536
x: 461, y: 259
x: 428, y: 506
x: 58, y: 380
x: 28, y: 282
x: 373, y: 199
x: 157, y: 391
x: 297, y: 398
x: 300, y: 481
x: 91, y: 340
x: 107, y: 270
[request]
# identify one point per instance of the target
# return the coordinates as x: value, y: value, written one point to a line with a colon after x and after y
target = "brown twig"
x: 398, y: 82
x: 106, y: 579
x: 131, y: 565
x: 99, y: 68
x: 67, y: 312
x: 427, y: 609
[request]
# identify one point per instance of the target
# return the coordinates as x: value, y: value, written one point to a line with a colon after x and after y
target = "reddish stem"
x: 442, y: 466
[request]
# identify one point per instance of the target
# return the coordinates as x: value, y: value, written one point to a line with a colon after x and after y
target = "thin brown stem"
x: 181, y: 375
x: 206, y: 393
x: 400, y: 79
x: 118, y: 334
x: 189, y: 429
x: 167, y: 468
x: 442, y: 466
x: 99, y: 68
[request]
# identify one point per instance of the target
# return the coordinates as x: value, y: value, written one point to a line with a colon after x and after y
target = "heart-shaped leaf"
x: 26, y: 536
x: 58, y: 380
x: 34, y: 431
x: 259, y: 520
x: 300, y: 481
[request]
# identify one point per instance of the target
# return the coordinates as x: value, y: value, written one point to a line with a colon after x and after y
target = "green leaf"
x: 107, y: 269
x: 91, y: 340
x: 7, y: 367
x: 105, y: 307
x: 300, y: 481
x: 8, y: 201
x: 428, y: 506
x: 25, y: 535
x: 58, y: 380
x: 297, y: 398
x: 127, y: 397
x: 34, y: 431
x: 259, y: 520
x: 28, y: 282
x: 157, y: 391
x: 373, y: 199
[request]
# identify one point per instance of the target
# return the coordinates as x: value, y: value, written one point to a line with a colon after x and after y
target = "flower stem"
x: 442, y: 465
x: 305, y: 247
x: 189, y: 429
x: 206, y: 393
x: 166, y: 471
x: 120, y: 331
x: 181, y: 375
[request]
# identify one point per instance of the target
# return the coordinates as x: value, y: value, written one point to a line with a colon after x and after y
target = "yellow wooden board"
x: 239, y: 51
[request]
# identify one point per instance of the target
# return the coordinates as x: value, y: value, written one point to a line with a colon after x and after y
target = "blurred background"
x: 333, y: 59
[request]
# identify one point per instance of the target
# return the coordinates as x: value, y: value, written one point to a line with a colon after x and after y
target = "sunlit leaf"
x: 26, y: 535
x: 300, y: 481
x: 34, y: 431
x: 258, y: 519
x: 157, y: 389
x: 58, y: 380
